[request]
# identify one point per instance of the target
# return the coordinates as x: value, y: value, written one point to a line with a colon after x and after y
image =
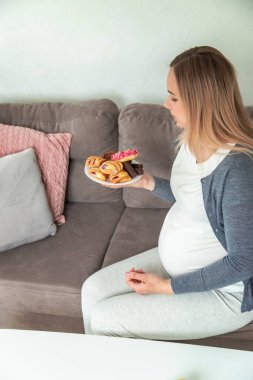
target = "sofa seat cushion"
x: 241, y: 339
x: 46, y: 276
x: 26, y: 320
x: 137, y: 231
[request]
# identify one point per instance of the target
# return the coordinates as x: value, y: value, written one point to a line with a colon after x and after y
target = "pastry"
x: 108, y: 155
x: 125, y: 155
x: 95, y: 172
x: 121, y: 176
x: 111, y: 167
x: 94, y: 161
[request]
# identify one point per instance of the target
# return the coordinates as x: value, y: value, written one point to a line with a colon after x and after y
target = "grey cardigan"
x: 228, y: 201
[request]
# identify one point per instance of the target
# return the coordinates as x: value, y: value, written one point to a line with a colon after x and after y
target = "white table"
x: 34, y: 355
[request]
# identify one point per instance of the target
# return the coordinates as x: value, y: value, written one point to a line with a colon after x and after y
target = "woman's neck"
x: 204, y: 154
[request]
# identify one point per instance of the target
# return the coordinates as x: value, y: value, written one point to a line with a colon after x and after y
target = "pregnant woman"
x: 198, y: 282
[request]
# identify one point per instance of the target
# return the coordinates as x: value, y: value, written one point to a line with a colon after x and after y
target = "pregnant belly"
x: 184, y: 250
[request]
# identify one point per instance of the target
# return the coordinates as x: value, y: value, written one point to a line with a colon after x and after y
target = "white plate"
x: 135, y: 179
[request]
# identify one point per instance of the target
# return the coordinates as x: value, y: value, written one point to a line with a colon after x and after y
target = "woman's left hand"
x: 147, y: 283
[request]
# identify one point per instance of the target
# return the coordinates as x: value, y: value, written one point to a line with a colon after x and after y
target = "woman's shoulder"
x: 236, y: 166
x: 240, y: 160
x: 238, y: 172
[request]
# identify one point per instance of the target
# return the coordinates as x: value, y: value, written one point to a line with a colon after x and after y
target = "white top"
x: 187, y: 241
x: 39, y: 355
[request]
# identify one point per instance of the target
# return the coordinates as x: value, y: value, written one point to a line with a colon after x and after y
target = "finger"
x: 131, y: 270
x: 139, y: 271
x: 136, y: 276
x: 128, y: 281
x: 136, y: 281
x: 132, y: 280
x: 134, y: 285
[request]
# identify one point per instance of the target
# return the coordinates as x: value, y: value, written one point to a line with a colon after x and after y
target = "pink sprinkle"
x: 124, y: 153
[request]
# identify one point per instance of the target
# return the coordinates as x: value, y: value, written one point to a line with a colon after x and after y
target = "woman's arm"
x: 162, y: 189
x: 159, y: 187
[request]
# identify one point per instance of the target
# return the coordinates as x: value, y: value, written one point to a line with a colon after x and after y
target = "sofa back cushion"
x: 93, y: 125
x: 249, y: 110
x: 150, y: 129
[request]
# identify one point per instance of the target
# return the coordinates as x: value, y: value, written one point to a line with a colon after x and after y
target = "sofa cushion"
x: 249, y: 110
x: 52, y: 151
x: 24, y: 209
x: 137, y: 231
x: 46, y: 276
x: 150, y: 129
x: 241, y: 339
x: 26, y: 320
x: 94, y: 128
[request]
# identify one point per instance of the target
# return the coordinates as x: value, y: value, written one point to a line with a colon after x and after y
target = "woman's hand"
x: 145, y: 182
x: 148, y: 283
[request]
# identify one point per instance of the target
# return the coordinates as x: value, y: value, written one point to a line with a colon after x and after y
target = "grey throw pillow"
x: 25, y: 215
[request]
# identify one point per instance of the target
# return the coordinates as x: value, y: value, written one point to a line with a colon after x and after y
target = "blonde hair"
x: 207, y: 84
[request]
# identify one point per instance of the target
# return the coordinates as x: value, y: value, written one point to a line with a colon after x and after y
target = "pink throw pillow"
x: 52, y: 151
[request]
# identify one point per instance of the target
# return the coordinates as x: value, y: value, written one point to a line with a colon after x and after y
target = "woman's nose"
x: 167, y: 104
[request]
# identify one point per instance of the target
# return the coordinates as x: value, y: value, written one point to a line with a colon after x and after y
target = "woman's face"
x: 174, y: 102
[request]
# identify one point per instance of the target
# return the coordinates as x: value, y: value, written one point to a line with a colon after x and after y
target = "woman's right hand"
x: 145, y: 182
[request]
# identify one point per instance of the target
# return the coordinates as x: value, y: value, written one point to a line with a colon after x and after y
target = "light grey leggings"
x: 110, y: 307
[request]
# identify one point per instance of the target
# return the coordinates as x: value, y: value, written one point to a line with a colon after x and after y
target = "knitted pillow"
x: 52, y: 152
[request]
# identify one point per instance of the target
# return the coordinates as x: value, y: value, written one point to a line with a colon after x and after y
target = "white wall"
x: 63, y: 50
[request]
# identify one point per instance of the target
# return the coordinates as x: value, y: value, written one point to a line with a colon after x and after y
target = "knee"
x: 99, y: 318
x: 103, y: 321
x: 108, y: 318
x: 92, y: 285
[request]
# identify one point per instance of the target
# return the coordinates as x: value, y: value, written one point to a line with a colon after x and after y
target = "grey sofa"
x: 40, y: 282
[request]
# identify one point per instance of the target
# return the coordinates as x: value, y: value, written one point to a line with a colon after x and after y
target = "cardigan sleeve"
x: 163, y: 190
x: 237, y: 211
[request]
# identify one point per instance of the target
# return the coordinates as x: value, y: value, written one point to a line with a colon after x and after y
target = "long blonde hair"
x: 207, y: 84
